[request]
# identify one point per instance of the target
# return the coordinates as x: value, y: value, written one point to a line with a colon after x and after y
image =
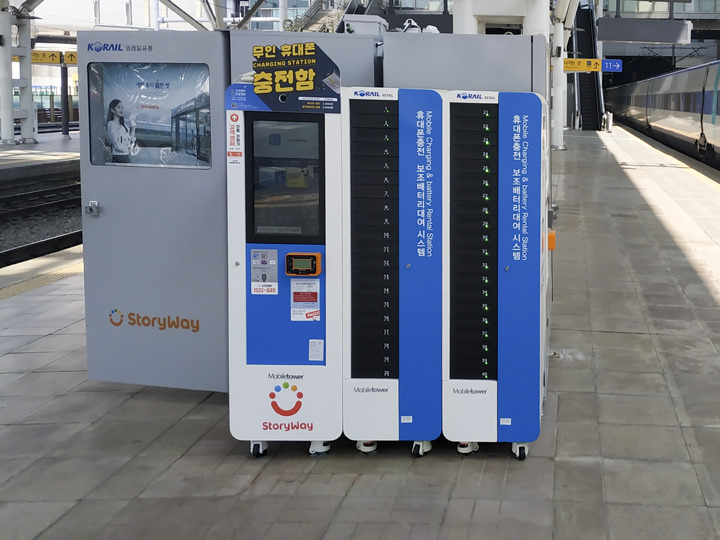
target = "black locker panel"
x: 473, y: 241
x: 374, y: 233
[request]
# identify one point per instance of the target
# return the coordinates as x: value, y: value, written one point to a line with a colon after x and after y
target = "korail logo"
x: 99, y: 46
x: 468, y: 95
x: 164, y: 322
x: 372, y: 93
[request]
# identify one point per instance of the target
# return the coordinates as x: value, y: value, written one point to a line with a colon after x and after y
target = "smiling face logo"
x: 277, y: 408
x: 116, y: 317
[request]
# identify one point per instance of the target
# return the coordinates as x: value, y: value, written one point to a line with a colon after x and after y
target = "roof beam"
x: 183, y: 14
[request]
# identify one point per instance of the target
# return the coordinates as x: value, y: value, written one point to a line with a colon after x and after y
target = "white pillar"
x: 464, y: 20
x: 537, y: 19
x: 283, y: 13
x: 27, y: 123
x: 559, y: 89
x: 155, y: 14
x: 7, y: 133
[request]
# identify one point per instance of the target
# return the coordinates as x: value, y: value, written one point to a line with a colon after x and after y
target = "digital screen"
x: 302, y: 264
x: 285, y: 180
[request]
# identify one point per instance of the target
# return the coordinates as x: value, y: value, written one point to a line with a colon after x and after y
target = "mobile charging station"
x: 284, y: 235
x: 445, y: 275
x: 357, y: 259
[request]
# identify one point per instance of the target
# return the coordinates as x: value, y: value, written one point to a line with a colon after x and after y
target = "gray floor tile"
x: 25, y: 362
x: 577, y: 407
x: 69, y: 408
x: 572, y: 380
x: 43, y: 384
x: 580, y: 520
x: 642, y: 410
x: 626, y: 360
x: 59, y: 479
x: 84, y: 520
x: 658, y: 522
x: 653, y: 443
x: 631, y: 383
x: 651, y: 483
x: 577, y: 439
x: 578, y: 479
x: 25, y: 520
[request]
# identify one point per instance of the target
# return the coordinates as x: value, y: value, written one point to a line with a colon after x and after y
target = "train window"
x: 149, y: 115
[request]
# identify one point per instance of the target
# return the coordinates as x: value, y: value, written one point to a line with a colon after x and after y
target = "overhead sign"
x: 46, y: 57
x: 612, y: 66
x: 50, y: 57
x: 592, y: 64
x: 582, y: 64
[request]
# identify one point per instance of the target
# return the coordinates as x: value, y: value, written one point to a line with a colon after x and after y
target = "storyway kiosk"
x: 284, y: 236
x: 154, y: 225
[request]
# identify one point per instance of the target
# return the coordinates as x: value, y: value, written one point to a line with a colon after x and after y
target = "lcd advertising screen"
x: 150, y: 115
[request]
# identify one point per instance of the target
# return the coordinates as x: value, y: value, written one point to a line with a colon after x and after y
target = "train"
x: 679, y: 109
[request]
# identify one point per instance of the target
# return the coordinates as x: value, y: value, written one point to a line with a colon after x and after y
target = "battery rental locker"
x: 392, y: 222
x: 495, y: 335
x: 284, y: 233
x: 495, y: 268
x: 154, y: 225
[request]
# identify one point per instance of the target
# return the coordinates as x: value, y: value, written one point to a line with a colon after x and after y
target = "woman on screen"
x: 121, y: 138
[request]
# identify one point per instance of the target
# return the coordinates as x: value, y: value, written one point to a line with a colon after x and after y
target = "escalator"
x: 588, y: 86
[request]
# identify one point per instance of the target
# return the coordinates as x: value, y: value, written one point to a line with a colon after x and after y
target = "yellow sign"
x: 46, y: 57
x: 582, y: 64
x: 51, y: 57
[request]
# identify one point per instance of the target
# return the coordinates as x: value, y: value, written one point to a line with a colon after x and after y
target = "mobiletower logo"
x: 165, y: 322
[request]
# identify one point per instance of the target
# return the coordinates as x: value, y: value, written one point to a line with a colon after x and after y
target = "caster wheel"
x: 319, y: 448
x: 420, y: 448
x: 366, y: 447
x: 258, y: 449
x: 467, y: 447
x: 520, y: 450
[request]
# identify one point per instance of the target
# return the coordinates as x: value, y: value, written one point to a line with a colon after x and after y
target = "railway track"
x: 22, y: 204
x: 39, y: 218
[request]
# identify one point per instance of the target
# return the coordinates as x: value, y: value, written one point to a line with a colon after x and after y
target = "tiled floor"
x: 630, y: 438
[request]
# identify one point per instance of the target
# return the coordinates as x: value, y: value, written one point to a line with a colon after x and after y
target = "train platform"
x: 52, y: 153
x: 630, y: 434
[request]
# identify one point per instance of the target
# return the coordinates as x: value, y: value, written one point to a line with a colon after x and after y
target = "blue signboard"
x: 519, y: 249
x: 612, y: 66
x: 420, y: 235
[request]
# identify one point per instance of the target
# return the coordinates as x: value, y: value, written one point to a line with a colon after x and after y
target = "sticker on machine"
x: 305, y: 300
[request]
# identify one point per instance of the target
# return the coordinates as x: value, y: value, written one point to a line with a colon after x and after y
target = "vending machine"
x: 285, y: 245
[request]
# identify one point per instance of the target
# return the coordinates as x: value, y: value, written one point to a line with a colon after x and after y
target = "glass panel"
x: 287, y: 178
x: 152, y: 115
